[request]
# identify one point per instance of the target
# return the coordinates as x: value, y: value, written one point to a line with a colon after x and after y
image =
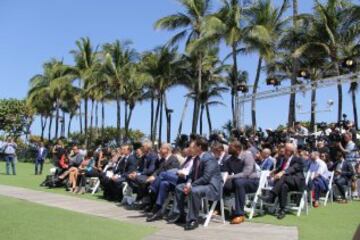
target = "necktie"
x: 196, y: 168
x: 283, y: 166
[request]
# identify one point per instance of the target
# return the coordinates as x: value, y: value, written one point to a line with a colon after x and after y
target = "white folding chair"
x: 262, y: 183
x: 329, y: 192
x: 97, y: 185
x: 128, y: 195
x: 209, y: 213
x: 304, y: 203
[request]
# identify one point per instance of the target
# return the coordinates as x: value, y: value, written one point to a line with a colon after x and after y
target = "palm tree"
x: 160, y: 65
x: 226, y: 24
x: 335, y: 24
x: 87, y: 64
x: 264, y: 28
x: 190, y: 22
x: 292, y: 102
x: 134, y: 89
x: 119, y: 57
x: 55, y: 81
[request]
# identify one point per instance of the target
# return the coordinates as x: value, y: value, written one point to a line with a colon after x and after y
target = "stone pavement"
x: 215, y: 230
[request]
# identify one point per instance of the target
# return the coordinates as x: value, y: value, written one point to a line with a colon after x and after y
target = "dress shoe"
x: 238, y: 220
x: 157, y: 216
x: 316, y: 204
x: 281, y: 214
x: 176, y: 218
x: 191, y: 225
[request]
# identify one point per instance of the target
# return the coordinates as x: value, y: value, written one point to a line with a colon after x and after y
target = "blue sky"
x: 35, y: 31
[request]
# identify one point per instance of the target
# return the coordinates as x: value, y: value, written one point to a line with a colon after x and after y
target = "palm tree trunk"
x: 353, y: 98
x: 128, y: 122
x: 195, y: 111
x: 201, y: 118
x: 97, y: 115
x: 91, y: 120
x: 253, y: 100
x: 183, y: 115
x: 86, y: 115
x: 292, y: 102
x: 209, y: 119
x: 152, y: 118
x: 63, y: 122
x: 313, y: 106
x: 57, y: 109
x: 69, y: 124
x: 161, y: 119
x: 50, y: 125
x: 235, y: 104
x: 199, y: 89
x: 168, y: 120
x: 80, y: 110
x: 125, y: 117
x: 156, y: 119
x: 80, y: 118
x: 339, y: 87
x: 118, y: 119
x: 43, y: 126
x: 102, y: 118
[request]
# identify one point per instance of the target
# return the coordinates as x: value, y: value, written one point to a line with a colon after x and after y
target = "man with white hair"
x: 268, y: 162
x: 288, y: 176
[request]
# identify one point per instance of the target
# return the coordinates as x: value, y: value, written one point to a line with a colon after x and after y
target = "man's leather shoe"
x: 157, y: 216
x: 238, y: 220
x: 281, y: 214
x: 176, y: 218
x: 191, y: 225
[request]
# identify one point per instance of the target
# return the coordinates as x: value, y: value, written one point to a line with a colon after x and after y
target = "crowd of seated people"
x: 211, y: 169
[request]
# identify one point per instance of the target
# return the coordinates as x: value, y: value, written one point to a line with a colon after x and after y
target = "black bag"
x: 52, y: 181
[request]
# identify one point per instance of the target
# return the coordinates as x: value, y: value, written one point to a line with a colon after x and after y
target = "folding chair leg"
x: 253, y: 206
x: 300, y: 207
x: 222, y: 209
x: 97, y: 185
x: 210, y: 213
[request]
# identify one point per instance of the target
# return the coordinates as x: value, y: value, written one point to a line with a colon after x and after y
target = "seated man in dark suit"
x: 138, y: 181
x: 289, y: 176
x: 343, y: 174
x: 204, y: 181
x: 167, y: 161
x: 242, y: 178
x: 166, y: 182
x: 125, y: 165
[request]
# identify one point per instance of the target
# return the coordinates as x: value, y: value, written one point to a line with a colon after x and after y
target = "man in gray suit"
x: 204, y: 181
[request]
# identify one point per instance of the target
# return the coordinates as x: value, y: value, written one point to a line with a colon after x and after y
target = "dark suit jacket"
x: 162, y: 165
x: 295, y: 170
x: 41, y: 156
x: 149, y: 163
x: 209, y: 174
x: 347, y: 170
x: 126, y: 165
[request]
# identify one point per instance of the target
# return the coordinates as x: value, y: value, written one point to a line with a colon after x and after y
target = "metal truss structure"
x: 303, y: 87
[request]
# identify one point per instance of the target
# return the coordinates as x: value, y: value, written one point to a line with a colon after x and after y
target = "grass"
x: 332, y: 222
x: 335, y: 221
x: 22, y: 220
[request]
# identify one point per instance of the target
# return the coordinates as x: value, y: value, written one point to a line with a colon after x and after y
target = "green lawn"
x: 332, y: 222
x: 335, y: 221
x: 25, y: 220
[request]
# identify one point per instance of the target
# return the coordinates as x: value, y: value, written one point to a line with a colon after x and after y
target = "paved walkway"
x: 214, y: 231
